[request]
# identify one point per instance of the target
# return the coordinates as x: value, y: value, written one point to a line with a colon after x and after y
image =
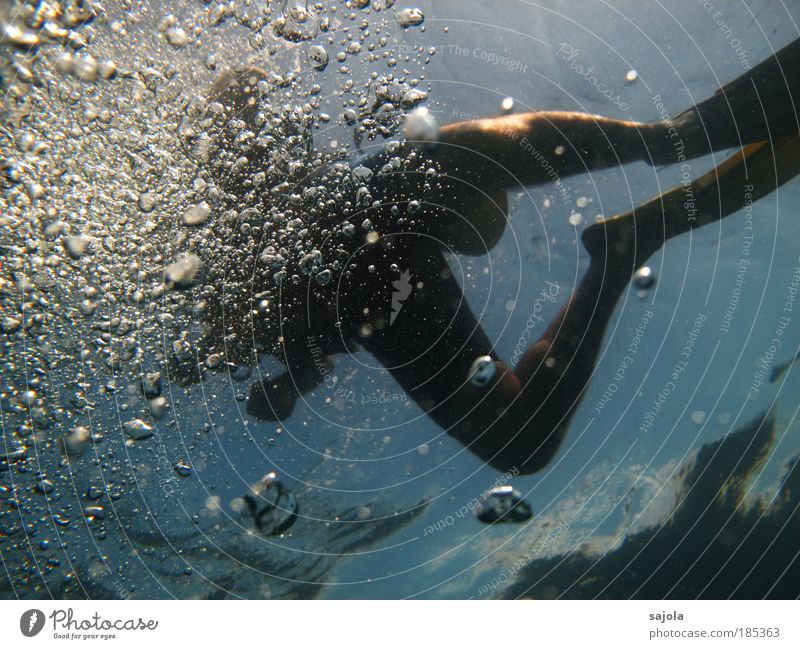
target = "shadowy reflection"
x: 720, y: 542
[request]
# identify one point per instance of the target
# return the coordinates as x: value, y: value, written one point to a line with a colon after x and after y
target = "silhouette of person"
x: 370, y: 270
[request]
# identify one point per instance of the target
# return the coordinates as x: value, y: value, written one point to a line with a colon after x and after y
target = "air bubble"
x: 644, y: 278
x: 76, y: 247
x: 273, y: 507
x: 324, y: 278
x: 409, y: 18
x: 318, y: 57
x: 176, y: 37
x: 420, y: 127
x: 182, y: 468
x: 197, y: 214
x: 503, y: 504
x: 184, y: 271
x: 137, y: 429
x: 482, y: 371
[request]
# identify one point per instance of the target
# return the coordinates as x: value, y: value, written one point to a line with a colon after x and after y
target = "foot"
x: 624, y: 241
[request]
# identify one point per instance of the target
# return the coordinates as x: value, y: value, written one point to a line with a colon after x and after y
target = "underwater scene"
x: 387, y: 299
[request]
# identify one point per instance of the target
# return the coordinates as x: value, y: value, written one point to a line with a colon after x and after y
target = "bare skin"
x: 520, y: 417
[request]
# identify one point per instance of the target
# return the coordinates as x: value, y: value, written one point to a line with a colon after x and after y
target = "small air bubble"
x: 575, y: 219
x: 698, y: 417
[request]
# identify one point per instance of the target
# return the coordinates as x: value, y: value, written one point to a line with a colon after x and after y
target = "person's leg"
x: 539, y: 147
x: 520, y: 419
x: 761, y: 104
x: 755, y: 171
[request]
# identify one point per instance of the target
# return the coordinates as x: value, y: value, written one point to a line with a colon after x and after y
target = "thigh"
x: 410, y: 313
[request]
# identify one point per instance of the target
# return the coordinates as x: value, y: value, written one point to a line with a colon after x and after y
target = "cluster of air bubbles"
x: 119, y: 235
x: 299, y: 23
x: 85, y: 67
x: 26, y: 26
x: 173, y: 33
